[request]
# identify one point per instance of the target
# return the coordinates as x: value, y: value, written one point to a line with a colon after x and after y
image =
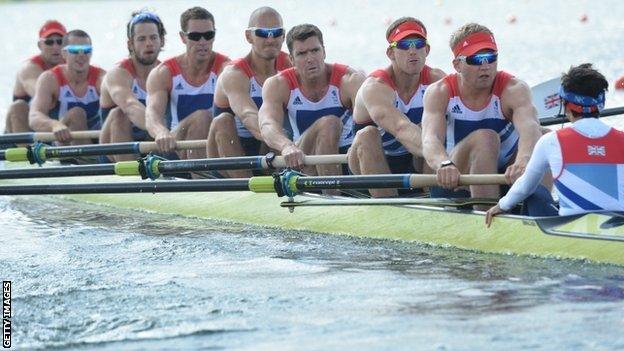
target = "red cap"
x: 474, y: 43
x: 406, y: 29
x: 52, y: 27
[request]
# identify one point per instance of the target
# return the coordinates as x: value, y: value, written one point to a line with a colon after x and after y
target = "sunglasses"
x: 78, y: 49
x: 195, y: 36
x: 144, y: 17
x: 479, y: 59
x: 267, y: 32
x: 51, y: 41
x: 406, y: 44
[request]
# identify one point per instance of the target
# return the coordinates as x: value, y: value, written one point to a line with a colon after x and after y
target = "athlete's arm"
x: 235, y: 85
x: 517, y: 98
x: 118, y: 83
x: 379, y: 100
x: 275, y: 94
x: 349, y: 87
x: 43, y: 100
x: 27, y: 77
x: 530, y: 179
x: 434, y: 134
x: 157, y: 97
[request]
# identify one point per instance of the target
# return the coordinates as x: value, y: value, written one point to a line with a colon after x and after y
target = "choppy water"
x: 107, y: 280
x: 92, y: 278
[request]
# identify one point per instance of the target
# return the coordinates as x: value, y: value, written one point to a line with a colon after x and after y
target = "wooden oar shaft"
x: 150, y: 146
x: 422, y: 180
x: 28, y: 138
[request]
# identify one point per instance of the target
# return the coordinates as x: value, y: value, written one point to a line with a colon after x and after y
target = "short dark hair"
x: 151, y: 19
x: 195, y: 13
x: 302, y: 32
x: 402, y: 20
x: 584, y: 80
x: 75, y: 33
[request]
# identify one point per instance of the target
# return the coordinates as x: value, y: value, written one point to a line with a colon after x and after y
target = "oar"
x: 546, y: 98
x: 29, y: 138
x: 288, y: 183
x: 455, y: 202
x: 562, y: 118
x: 41, y: 153
x: 154, y: 167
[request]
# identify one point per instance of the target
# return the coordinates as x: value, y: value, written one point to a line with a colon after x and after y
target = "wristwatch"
x: 446, y: 163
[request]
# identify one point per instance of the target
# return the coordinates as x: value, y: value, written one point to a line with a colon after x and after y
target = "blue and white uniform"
x: 67, y: 99
x: 302, y: 112
x: 413, y: 109
x: 139, y: 93
x: 186, y: 98
x: 461, y: 120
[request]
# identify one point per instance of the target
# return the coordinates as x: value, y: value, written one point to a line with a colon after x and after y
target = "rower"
x: 122, y: 100
x: 67, y: 96
x: 185, y: 84
x: 478, y: 120
x: 235, y: 130
x: 318, y: 98
x: 389, y: 106
x: 49, y: 44
x: 586, y: 157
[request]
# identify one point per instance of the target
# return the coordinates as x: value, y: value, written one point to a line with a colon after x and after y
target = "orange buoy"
x: 583, y: 18
x: 448, y: 20
x: 619, y: 84
x: 511, y: 18
x: 333, y: 22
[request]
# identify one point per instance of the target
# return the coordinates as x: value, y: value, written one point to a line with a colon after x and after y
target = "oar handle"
x: 150, y: 146
x: 422, y: 180
x: 80, y: 134
x: 308, y: 160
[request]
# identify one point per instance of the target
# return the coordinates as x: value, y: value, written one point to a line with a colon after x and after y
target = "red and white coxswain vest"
x: 592, y: 176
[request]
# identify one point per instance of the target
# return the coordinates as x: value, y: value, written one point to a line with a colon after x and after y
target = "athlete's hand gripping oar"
x: 39, y: 153
x: 29, y: 138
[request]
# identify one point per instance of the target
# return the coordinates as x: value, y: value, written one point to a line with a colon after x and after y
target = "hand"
x: 293, y: 156
x: 489, y: 215
x: 165, y: 141
x: 513, y: 172
x: 61, y: 132
x: 448, y: 177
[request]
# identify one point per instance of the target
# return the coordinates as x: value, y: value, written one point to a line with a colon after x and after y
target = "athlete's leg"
x: 366, y: 156
x: 75, y: 120
x: 322, y: 138
x: 17, y: 117
x: 194, y: 127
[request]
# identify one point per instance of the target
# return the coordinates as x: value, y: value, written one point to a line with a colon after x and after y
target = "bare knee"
x: 222, y: 122
x: 329, y: 127
x: 18, y: 108
x: 118, y: 118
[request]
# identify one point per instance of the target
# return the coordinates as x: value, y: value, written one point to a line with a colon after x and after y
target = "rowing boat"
x: 597, y: 237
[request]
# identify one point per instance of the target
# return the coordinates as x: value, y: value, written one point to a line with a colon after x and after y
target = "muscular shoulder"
x: 118, y: 76
x: 276, y: 86
x: 29, y: 70
x: 231, y: 71
x: 374, y: 86
x: 437, y: 90
x: 516, y: 92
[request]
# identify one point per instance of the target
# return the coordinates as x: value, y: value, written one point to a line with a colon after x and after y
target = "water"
x: 92, y: 278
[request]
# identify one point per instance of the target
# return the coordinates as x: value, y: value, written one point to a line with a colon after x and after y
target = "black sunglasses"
x: 195, y: 36
x: 51, y: 41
